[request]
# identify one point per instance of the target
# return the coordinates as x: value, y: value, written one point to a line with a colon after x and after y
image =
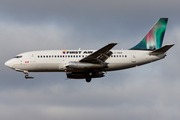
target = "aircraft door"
x: 133, y: 57
x: 32, y: 57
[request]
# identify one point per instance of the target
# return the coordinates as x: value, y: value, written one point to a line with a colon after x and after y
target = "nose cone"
x: 9, y: 64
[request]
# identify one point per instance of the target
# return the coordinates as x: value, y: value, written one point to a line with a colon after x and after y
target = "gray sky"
x: 146, y: 92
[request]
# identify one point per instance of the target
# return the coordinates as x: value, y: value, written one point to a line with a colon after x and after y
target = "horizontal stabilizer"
x: 161, y: 50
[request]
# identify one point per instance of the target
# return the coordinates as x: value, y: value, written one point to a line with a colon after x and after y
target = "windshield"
x: 18, y: 57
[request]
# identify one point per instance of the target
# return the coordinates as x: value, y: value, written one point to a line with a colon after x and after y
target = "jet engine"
x: 83, y: 75
x: 83, y: 65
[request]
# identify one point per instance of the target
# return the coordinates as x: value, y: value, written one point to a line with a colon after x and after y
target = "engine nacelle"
x: 83, y: 75
x: 82, y: 65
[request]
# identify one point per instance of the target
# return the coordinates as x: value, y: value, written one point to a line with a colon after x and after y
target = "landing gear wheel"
x: 88, y: 79
x: 26, y: 76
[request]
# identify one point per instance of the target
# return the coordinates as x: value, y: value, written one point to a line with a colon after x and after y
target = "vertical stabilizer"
x: 154, y: 38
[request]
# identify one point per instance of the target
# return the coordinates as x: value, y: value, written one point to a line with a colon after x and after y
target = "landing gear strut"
x: 27, y: 76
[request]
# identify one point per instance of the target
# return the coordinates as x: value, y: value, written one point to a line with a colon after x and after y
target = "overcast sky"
x: 149, y: 92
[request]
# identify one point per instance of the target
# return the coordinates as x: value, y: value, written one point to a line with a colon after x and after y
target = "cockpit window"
x: 18, y: 57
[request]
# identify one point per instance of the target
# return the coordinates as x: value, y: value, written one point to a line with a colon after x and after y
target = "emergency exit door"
x: 32, y: 57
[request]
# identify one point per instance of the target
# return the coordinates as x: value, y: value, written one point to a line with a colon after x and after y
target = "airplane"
x: 88, y: 64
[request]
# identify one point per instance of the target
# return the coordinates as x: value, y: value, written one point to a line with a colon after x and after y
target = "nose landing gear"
x: 27, y: 75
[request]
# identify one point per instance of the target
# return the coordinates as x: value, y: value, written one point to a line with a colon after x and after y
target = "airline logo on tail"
x: 154, y: 38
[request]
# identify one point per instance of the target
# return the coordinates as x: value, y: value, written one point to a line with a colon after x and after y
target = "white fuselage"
x: 56, y: 60
x: 80, y: 64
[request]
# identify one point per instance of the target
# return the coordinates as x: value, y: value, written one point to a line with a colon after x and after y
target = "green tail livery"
x: 154, y: 38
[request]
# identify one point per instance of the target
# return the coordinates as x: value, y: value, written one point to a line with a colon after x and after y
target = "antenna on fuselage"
x: 79, y: 49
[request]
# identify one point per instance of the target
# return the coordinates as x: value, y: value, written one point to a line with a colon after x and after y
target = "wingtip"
x: 114, y: 43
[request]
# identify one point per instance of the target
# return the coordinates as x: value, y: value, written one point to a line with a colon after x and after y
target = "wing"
x: 100, y: 56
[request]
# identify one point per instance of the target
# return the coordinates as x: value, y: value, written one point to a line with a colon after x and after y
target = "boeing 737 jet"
x: 88, y: 64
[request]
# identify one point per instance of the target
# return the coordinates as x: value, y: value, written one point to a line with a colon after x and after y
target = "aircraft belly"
x: 118, y: 66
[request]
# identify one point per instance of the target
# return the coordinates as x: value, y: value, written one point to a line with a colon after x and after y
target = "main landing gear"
x: 27, y: 75
x: 88, y: 77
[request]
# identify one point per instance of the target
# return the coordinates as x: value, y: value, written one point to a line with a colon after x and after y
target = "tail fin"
x: 154, y: 38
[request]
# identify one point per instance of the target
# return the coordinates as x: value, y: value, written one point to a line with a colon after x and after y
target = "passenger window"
x: 38, y: 56
x: 119, y: 55
x: 114, y: 56
x: 79, y: 56
x: 52, y: 56
x: 122, y: 55
x: 47, y: 56
x: 55, y: 56
x: 41, y: 56
x: 125, y: 55
x: 58, y: 56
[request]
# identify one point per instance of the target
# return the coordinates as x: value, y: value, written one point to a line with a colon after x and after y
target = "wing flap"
x: 101, y: 55
x: 104, y: 56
